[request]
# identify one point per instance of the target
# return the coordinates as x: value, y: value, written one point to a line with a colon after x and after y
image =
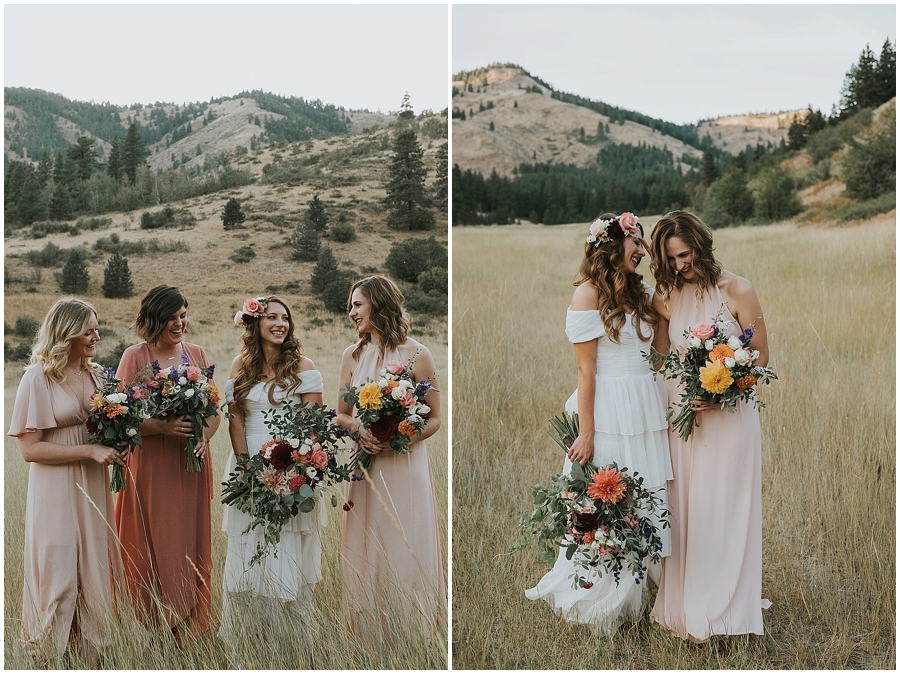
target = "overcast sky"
x: 680, y: 63
x: 362, y: 56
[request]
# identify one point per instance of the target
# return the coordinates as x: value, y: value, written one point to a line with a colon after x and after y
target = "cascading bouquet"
x: 600, y: 516
x: 716, y: 368
x: 114, y: 418
x: 185, y: 391
x: 393, y: 408
x: 290, y: 472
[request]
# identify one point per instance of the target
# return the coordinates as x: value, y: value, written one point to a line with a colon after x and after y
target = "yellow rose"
x: 370, y: 396
x: 715, y: 377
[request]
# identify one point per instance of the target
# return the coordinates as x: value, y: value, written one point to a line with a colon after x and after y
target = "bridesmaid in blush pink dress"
x: 390, y: 543
x: 72, y: 562
x: 712, y: 582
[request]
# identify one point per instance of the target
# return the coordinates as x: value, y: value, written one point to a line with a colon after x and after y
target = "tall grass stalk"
x: 284, y: 640
x: 828, y: 450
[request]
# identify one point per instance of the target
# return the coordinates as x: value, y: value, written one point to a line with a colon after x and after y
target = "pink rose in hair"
x: 703, y: 330
x: 252, y: 306
x: 394, y: 367
x: 629, y: 223
x: 192, y: 372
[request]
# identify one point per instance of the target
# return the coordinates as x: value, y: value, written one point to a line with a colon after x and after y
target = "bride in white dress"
x: 621, y: 407
x: 270, y: 369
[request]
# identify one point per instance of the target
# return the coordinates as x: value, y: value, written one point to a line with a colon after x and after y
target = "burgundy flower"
x: 348, y: 506
x: 385, y: 428
x: 91, y: 426
x: 280, y: 456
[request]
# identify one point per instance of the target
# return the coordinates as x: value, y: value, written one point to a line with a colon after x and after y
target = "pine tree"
x: 45, y: 168
x: 232, y: 216
x: 440, y: 177
x: 60, y: 203
x: 406, y: 108
x: 117, y: 278
x: 407, y: 198
x: 860, y: 88
x: 305, y: 243
x: 134, y: 153
x: 325, y: 271
x: 113, y: 168
x: 710, y: 173
x: 316, y: 216
x: 83, y: 158
x: 886, y: 73
x: 73, y: 277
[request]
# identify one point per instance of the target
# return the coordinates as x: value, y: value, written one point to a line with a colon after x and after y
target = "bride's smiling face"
x: 634, y: 251
x: 275, y: 324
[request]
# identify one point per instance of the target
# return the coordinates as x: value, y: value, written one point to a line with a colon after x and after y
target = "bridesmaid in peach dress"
x: 163, y: 517
x: 712, y: 582
x: 72, y: 562
x: 390, y: 544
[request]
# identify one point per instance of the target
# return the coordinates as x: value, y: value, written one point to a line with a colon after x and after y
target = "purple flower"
x: 331, y: 414
x: 422, y: 388
x: 746, y: 336
x: 155, y: 366
x: 341, y: 432
x: 212, y: 369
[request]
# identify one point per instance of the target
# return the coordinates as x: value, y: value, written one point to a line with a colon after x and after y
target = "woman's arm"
x: 236, y: 426
x: 424, y: 368
x: 36, y: 450
x: 746, y: 308
x: 661, y: 341
x: 585, y: 298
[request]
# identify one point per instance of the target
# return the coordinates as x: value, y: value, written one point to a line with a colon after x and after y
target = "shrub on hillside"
x: 776, y: 196
x: 728, y: 200
x: 113, y: 356
x: 242, y: 255
x: 16, y: 354
x: 168, y: 217
x: 342, y: 232
x: 335, y: 295
x: 410, y: 257
x: 434, y: 281
x: 823, y: 144
x: 48, y: 256
x: 421, y: 302
x: 871, y: 164
x: 867, y: 208
x: 26, y: 327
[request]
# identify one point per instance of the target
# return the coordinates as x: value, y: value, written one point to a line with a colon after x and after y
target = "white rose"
x: 754, y: 355
x: 189, y: 393
x: 174, y: 390
x: 311, y: 472
x: 397, y: 392
x: 293, y: 442
x: 694, y: 342
x: 414, y: 419
x: 307, y: 442
x: 734, y: 343
x: 382, y: 382
x: 729, y: 362
x: 131, y: 432
x: 424, y: 409
x: 709, y: 345
x: 182, y: 380
x: 741, y: 356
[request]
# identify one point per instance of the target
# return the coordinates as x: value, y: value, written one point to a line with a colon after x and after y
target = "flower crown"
x: 603, y: 231
x: 252, y: 309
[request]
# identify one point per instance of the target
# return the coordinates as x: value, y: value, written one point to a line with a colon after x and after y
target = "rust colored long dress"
x: 163, y: 519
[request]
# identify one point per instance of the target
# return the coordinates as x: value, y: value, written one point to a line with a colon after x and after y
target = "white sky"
x: 680, y: 63
x: 357, y: 56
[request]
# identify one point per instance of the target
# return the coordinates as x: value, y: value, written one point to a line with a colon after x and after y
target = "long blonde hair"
x: 387, y: 315
x: 696, y: 234
x: 252, y: 359
x: 603, y: 267
x: 67, y: 319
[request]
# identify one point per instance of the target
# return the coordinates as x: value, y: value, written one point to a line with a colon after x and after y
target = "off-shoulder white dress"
x: 292, y: 575
x: 631, y: 429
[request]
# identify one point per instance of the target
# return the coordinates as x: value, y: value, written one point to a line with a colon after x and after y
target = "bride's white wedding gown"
x: 631, y: 429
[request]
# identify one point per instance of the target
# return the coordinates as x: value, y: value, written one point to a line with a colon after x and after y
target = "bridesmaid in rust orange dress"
x: 163, y: 517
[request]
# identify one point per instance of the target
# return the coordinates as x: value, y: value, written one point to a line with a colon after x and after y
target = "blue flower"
x: 212, y: 369
x: 331, y: 414
x: 746, y: 336
x: 422, y: 388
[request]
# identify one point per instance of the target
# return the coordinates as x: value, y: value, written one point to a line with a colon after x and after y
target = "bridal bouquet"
x: 716, y: 368
x: 185, y: 391
x: 289, y: 473
x: 393, y: 408
x: 599, y: 516
x: 114, y: 418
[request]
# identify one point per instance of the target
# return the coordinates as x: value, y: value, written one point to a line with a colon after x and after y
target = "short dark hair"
x: 157, y: 306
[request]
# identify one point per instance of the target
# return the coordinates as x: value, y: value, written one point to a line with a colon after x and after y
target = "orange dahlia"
x: 588, y: 538
x: 607, y: 485
x: 406, y: 428
x: 747, y: 381
x: 715, y: 377
x: 213, y: 394
x: 114, y: 411
x: 720, y: 352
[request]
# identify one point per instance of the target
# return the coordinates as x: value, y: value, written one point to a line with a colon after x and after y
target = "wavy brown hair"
x: 604, y: 268
x: 252, y: 359
x: 157, y: 308
x: 388, y: 316
x: 696, y: 234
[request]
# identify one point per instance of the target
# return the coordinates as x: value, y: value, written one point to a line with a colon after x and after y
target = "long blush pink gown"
x: 712, y: 581
x: 390, y: 543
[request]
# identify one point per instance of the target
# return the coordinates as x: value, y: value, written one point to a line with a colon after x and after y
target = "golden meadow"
x: 828, y: 449
x: 292, y: 644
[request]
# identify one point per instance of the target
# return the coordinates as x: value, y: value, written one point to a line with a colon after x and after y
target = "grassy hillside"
x: 828, y: 450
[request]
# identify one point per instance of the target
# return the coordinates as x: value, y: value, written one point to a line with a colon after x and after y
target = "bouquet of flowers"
x: 185, y: 391
x: 716, y: 368
x: 289, y: 473
x: 601, y: 516
x: 114, y: 418
x: 393, y: 408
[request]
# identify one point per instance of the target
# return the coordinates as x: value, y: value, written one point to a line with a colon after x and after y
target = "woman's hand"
x: 105, y: 456
x: 701, y: 405
x: 201, y: 449
x: 368, y: 443
x: 582, y: 450
x: 181, y: 428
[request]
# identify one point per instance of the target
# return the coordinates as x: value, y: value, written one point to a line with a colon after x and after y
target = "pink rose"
x: 597, y: 227
x: 318, y: 458
x: 394, y: 367
x: 628, y: 221
x: 252, y: 306
x: 192, y: 372
x: 703, y: 330
x: 407, y: 400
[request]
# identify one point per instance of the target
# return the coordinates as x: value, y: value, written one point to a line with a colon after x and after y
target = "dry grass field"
x: 828, y: 450
x: 215, y: 287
